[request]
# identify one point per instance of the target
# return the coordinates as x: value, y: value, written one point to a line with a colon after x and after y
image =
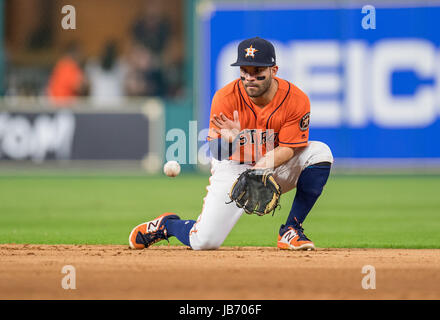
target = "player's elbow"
x: 289, y: 152
x: 283, y: 154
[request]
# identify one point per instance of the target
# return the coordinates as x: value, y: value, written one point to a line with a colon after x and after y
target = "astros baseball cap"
x: 255, y: 52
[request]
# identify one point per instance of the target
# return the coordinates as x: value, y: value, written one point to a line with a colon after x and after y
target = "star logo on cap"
x: 250, y: 52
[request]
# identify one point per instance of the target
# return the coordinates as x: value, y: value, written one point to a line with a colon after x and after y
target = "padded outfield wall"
x: 83, y: 138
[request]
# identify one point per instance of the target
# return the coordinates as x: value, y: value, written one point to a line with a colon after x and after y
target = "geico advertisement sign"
x: 351, y: 83
x: 35, y: 136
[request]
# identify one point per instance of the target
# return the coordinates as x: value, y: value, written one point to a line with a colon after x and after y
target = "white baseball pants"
x: 218, y: 218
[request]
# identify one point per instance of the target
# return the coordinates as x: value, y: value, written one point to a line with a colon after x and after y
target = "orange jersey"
x: 282, y: 122
x: 65, y: 81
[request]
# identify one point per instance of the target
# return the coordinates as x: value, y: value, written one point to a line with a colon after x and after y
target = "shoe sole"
x: 303, y: 247
x: 141, y: 246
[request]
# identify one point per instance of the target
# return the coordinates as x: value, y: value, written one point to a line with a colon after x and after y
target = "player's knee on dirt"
x: 205, y: 244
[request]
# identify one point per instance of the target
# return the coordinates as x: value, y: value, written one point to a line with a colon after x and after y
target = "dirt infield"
x: 167, y: 272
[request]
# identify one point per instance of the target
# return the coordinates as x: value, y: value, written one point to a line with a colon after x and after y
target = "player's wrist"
x: 261, y: 164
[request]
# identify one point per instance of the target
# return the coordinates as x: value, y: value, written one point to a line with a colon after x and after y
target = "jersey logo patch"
x: 305, y: 121
x: 250, y: 52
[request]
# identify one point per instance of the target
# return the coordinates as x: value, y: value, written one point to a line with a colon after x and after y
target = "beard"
x: 257, y: 89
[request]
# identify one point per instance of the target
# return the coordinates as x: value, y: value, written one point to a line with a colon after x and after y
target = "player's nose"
x: 249, y: 77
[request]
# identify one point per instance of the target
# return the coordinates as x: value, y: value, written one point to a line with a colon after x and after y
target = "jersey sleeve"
x: 219, y: 105
x: 295, y: 131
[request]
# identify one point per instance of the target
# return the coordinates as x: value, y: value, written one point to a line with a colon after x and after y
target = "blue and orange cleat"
x: 148, y: 233
x: 293, y: 238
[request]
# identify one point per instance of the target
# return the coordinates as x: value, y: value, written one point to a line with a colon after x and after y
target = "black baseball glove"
x: 256, y: 191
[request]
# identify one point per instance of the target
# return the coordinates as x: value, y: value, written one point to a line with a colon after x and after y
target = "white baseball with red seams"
x: 171, y: 168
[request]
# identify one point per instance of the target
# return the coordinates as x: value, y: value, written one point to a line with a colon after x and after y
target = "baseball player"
x: 257, y: 121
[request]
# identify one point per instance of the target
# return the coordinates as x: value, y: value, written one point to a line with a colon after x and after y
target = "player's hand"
x: 229, y: 129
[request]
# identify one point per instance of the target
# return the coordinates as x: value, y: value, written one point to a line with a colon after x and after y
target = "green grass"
x: 353, y: 211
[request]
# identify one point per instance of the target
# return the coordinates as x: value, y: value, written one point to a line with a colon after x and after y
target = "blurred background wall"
x: 37, y: 22
x: 35, y: 39
x: 130, y: 87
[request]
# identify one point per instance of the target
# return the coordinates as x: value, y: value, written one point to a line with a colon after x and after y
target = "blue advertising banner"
x: 372, y: 75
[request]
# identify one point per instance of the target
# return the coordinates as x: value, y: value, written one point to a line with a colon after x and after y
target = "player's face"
x: 256, y: 80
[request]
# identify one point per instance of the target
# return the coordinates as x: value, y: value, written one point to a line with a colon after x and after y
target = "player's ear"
x: 274, y: 70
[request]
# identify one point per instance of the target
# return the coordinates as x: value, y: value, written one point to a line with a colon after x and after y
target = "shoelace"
x: 300, y: 232
x: 153, y: 237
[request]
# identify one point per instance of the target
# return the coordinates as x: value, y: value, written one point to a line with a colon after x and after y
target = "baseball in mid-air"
x: 171, y: 168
